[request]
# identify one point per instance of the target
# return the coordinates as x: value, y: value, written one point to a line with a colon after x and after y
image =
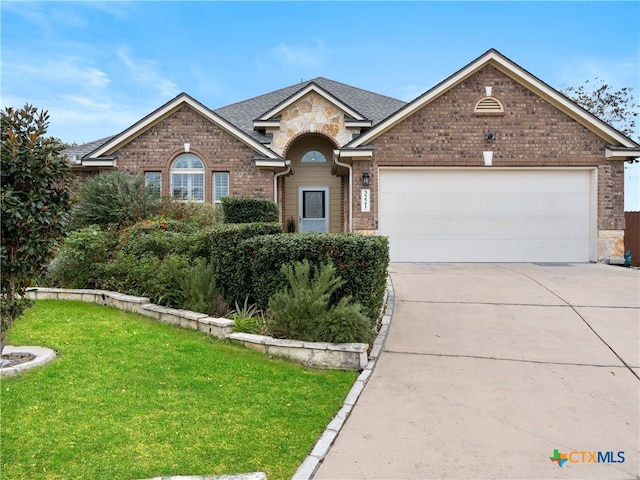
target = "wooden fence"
x: 632, y: 236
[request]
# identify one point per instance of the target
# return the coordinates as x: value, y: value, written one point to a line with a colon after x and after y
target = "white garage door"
x: 487, y: 215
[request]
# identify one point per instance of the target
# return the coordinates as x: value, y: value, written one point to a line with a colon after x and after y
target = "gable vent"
x: 488, y: 105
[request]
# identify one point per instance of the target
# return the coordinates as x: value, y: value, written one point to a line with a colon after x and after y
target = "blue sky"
x: 98, y: 67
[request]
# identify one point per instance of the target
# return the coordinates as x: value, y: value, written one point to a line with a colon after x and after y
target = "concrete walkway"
x: 489, y: 369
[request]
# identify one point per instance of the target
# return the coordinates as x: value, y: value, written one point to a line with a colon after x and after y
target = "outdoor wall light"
x: 365, y: 179
x: 490, y: 137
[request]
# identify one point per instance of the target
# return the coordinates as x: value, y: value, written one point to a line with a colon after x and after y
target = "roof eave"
x: 358, y: 123
x: 274, y: 165
x: 621, y: 153
x: 166, y: 110
x: 522, y: 76
x: 304, y: 91
x: 106, y: 162
x: 354, y: 153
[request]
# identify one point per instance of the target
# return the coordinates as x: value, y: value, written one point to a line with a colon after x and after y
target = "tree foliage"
x: 615, y: 107
x: 35, y: 202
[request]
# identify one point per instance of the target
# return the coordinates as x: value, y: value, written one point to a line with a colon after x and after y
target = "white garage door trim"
x: 489, y: 214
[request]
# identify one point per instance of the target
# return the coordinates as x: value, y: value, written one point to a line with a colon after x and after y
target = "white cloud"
x: 116, y: 9
x: 203, y: 83
x: 112, y: 118
x: 32, y: 13
x: 52, y: 15
x: 65, y: 70
x: 617, y: 72
x: 76, y: 118
x: 299, y: 55
x: 146, y: 73
x: 410, y: 92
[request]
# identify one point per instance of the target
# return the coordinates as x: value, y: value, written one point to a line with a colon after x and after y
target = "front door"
x: 313, y: 209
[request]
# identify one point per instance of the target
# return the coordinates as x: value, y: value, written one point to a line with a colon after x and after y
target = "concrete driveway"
x: 488, y: 369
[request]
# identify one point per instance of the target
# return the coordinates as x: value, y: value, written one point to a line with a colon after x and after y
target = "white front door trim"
x: 313, y: 221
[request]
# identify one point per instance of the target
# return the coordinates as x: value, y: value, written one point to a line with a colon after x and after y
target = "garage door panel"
x: 521, y: 203
x: 499, y: 215
x: 501, y: 251
x: 490, y: 228
x: 479, y: 181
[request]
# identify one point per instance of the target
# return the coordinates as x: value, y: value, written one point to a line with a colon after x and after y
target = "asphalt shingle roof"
x: 86, y: 148
x: 372, y: 106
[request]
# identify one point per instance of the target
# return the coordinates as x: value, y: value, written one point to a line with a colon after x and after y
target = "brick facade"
x: 157, y: 147
x: 531, y: 133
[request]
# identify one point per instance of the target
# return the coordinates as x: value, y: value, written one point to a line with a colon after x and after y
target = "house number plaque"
x: 365, y: 197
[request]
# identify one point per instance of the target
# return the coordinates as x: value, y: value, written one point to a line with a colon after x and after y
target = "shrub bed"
x: 361, y: 262
x: 303, y: 311
x: 178, y: 259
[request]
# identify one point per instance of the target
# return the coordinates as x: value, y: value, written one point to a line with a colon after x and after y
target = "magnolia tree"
x: 35, y: 201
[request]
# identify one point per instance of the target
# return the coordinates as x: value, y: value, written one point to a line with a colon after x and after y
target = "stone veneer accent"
x: 611, y: 246
x: 343, y: 356
x: 311, y: 114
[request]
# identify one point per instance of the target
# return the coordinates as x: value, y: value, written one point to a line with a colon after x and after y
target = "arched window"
x: 187, y: 178
x: 313, y: 156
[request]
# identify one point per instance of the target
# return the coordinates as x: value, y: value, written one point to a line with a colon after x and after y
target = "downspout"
x: 275, y: 181
x: 336, y: 154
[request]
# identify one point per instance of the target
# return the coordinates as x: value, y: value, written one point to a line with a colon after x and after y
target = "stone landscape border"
x: 340, y: 356
x: 42, y: 355
x: 310, y: 466
x: 314, y: 354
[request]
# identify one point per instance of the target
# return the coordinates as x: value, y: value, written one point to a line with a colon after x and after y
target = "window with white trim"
x: 220, y: 186
x: 153, y: 183
x: 187, y: 178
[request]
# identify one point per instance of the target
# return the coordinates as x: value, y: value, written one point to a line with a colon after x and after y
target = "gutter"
x: 275, y: 180
x: 336, y: 154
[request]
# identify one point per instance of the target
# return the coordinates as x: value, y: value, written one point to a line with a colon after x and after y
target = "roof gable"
x: 369, y: 105
x: 311, y: 87
x: 518, y: 74
x: 114, y: 143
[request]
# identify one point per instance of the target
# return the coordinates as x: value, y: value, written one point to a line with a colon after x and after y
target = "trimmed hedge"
x: 230, y: 267
x: 361, y: 261
x: 248, y: 210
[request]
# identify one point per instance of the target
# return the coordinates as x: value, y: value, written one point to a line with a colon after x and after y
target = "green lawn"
x: 130, y: 398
